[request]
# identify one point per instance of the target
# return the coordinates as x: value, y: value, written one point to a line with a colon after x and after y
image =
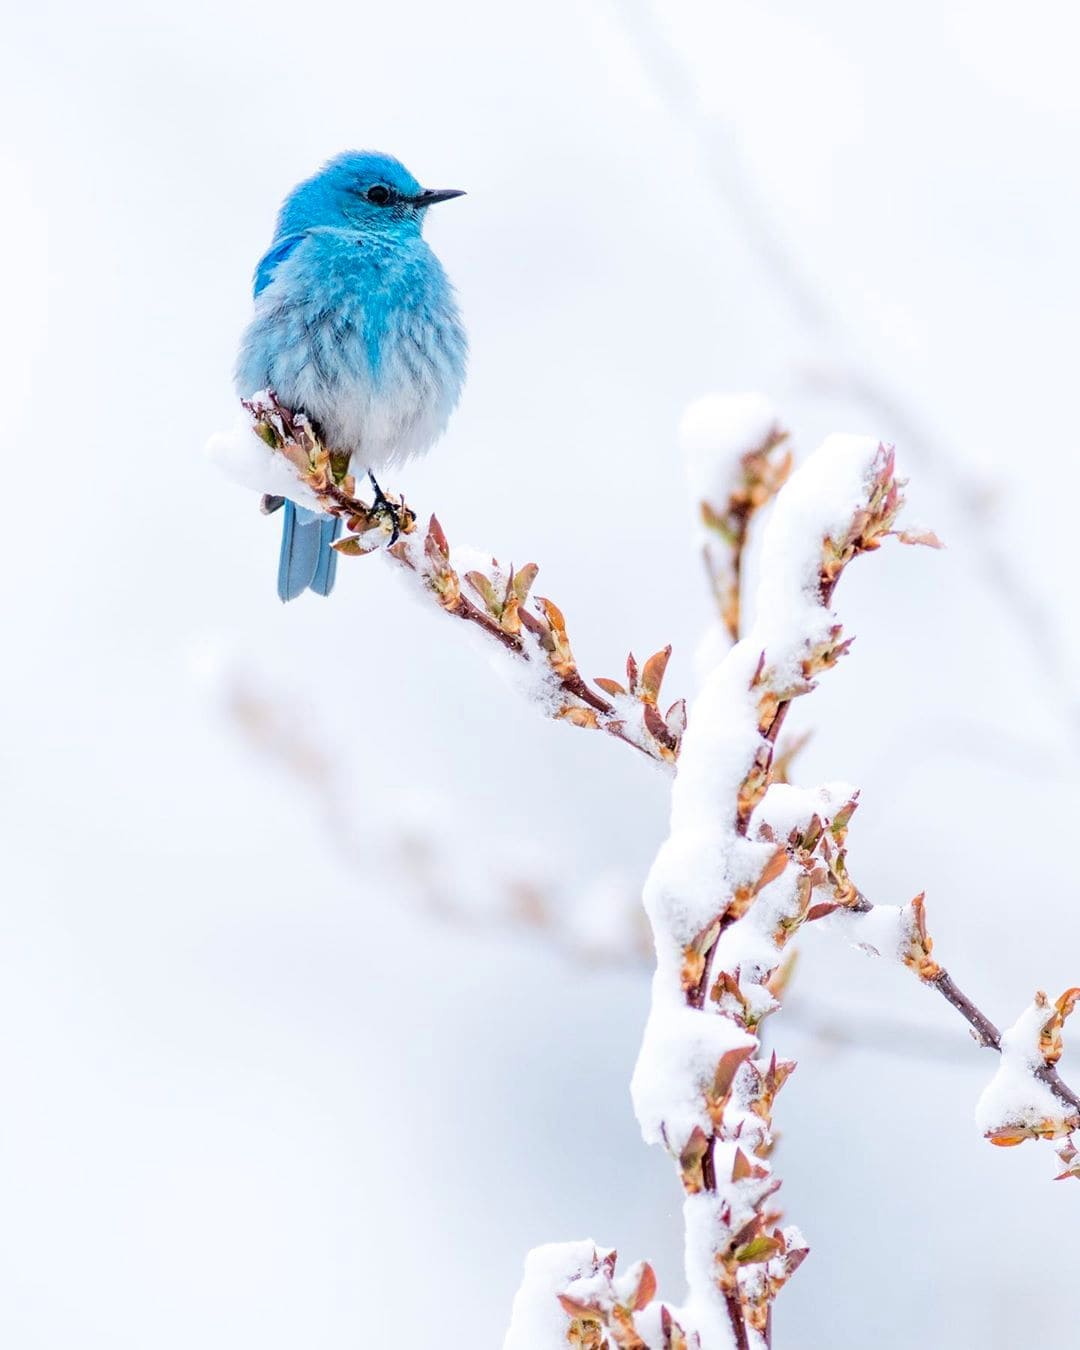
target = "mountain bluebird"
x: 356, y: 326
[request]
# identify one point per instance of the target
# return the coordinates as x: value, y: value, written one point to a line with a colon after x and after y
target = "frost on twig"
x: 732, y: 883
x: 531, y: 631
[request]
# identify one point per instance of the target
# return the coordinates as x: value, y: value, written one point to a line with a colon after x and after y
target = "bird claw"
x: 269, y: 503
x: 383, y: 506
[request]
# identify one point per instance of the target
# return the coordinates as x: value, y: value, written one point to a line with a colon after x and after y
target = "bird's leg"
x: 384, y: 506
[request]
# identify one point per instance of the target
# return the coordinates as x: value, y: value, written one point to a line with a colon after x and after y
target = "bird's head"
x: 361, y: 190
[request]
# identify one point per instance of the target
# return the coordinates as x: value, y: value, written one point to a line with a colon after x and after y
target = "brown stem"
x: 985, y: 1032
x: 1049, y: 1075
x: 708, y: 1170
x: 738, y: 1322
x: 988, y: 1035
x: 321, y: 471
x: 574, y: 684
x: 736, y: 572
x: 465, y: 609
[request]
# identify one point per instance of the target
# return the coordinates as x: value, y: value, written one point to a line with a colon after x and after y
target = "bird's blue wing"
x: 275, y: 254
x: 308, y: 559
x: 301, y: 545
x: 323, y: 581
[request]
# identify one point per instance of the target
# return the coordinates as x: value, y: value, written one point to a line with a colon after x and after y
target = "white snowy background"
x: 248, y: 1094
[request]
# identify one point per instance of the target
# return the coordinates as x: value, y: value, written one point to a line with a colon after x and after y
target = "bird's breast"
x: 369, y: 345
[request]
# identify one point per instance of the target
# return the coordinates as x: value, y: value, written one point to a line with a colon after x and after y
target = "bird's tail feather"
x: 307, y: 559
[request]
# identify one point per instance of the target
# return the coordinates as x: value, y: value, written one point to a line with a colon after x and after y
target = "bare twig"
x: 916, y: 955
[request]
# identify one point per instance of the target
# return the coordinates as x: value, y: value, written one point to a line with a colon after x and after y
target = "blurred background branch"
x: 199, y: 978
x: 840, y: 368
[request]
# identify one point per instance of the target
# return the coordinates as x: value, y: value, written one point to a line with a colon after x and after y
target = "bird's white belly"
x: 381, y: 421
x: 377, y: 427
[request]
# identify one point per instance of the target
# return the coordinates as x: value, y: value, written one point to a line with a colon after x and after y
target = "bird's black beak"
x: 432, y: 195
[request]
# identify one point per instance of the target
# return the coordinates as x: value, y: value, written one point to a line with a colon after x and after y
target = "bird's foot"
x: 384, y: 507
x: 270, y: 504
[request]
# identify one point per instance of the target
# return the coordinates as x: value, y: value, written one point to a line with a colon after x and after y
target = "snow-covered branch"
x: 732, y: 883
x: 533, y: 636
x: 748, y: 860
x: 1027, y: 1097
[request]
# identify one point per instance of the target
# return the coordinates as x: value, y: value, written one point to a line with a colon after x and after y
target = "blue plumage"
x: 307, y: 561
x: 355, y: 325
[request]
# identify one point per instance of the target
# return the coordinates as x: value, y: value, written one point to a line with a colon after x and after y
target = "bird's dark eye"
x: 379, y: 195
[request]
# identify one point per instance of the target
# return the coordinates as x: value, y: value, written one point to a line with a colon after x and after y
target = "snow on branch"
x: 533, y: 636
x: 748, y: 860
x: 578, y: 1280
x: 732, y: 883
x: 1027, y: 1098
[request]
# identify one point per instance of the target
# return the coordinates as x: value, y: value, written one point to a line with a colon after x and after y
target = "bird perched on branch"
x: 355, y: 326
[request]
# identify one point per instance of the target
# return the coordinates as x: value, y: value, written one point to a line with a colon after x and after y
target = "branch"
x: 723, y: 905
x: 730, y: 443
x: 535, y: 638
x: 1015, y: 1106
x: 602, y: 923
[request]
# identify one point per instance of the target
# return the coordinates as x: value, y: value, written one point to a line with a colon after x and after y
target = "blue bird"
x: 356, y: 326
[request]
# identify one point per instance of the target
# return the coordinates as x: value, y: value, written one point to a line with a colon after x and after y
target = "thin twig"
x: 630, y: 715
x: 738, y: 1321
x: 986, y: 1032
